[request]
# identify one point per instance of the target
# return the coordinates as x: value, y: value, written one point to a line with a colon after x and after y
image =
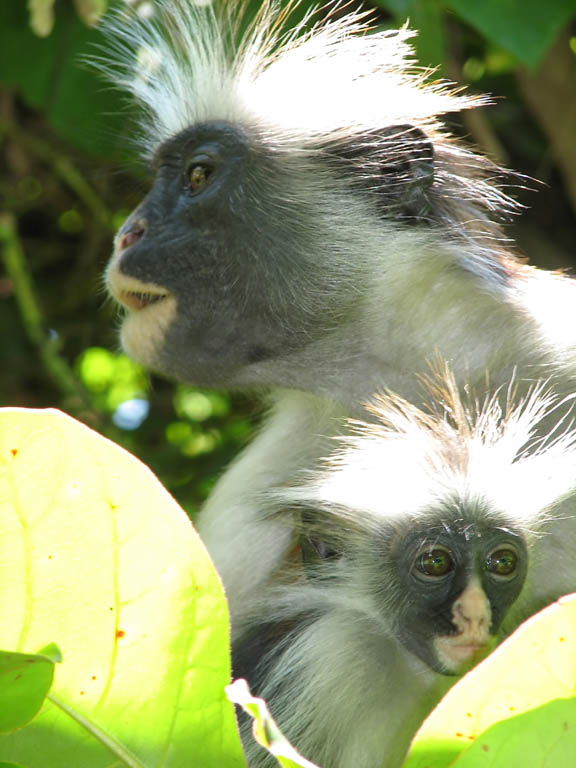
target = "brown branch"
x: 16, y: 267
x: 549, y: 93
x: 64, y: 168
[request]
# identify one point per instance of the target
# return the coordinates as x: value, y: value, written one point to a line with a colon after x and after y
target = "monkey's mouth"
x: 456, y: 654
x: 466, y: 651
x: 136, y: 295
x: 138, y: 300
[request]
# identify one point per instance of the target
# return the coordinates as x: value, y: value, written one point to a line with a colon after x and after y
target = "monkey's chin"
x: 457, y: 655
x: 144, y: 330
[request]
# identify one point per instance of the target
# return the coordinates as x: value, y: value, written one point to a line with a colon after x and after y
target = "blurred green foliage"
x: 524, y: 28
x: 68, y: 178
x: 193, y: 435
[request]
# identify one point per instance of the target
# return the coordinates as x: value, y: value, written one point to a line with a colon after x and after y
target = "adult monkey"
x: 415, y: 549
x: 313, y: 231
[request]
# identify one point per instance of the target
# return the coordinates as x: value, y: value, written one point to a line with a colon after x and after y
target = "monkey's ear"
x: 313, y: 547
x: 395, y: 165
x: 406, y: 167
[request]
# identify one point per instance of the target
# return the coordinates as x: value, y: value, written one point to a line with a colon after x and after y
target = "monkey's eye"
x: 434, y: 563
x: 314, y: 550
x: 198, y: 175
x: 502, y: 563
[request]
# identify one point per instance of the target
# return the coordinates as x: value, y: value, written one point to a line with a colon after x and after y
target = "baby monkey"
x: 412, y: 544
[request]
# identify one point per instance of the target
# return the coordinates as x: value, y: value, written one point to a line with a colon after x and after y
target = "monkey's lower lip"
x: 137, y: 300
x: 464, y: 652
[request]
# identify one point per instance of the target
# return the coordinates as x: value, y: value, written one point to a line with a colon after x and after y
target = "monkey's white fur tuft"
x: 493, y: 452
x: 188, y: 64
x: 297, y: 89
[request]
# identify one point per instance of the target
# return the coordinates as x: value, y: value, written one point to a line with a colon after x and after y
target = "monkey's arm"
x: 245, y: 543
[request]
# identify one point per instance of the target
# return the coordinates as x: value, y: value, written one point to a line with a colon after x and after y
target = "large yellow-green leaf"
x: 516, y: 709
x: 97, y: 557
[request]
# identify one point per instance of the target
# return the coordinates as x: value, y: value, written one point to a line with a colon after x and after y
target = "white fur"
x: 356, y: 698
x: 295, y: 88
x: 193, y: 65
x: 491, y: 451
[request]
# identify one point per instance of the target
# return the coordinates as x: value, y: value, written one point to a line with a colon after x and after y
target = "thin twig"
x: 64, y: 168
x: 32, y: 318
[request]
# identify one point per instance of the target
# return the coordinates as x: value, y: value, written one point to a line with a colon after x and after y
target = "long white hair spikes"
x: 299, y: 87
x: 409, y: 458
x: 188, y: 63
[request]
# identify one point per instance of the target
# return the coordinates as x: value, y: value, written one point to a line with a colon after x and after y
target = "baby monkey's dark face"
x: 459, y: 579
x: 443, y: 581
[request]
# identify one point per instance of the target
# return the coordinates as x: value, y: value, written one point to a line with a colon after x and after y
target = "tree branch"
x: 33, y: 321
x: 64, y: 168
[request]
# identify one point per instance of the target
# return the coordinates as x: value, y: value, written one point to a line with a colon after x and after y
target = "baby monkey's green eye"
x: 435, y: 563
x: 502, y: 562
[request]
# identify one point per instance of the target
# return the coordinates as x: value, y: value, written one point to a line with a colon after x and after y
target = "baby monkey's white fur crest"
x: 494, y: 451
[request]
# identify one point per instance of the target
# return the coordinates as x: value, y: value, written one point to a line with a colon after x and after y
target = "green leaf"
x: 95, y: 554
x: 399, y: 8
x: 25, y: 679
x: 426, y: 16
x: 265, y: 730
x: 52, y: 652
x: 49, y: 74
x: 41, y: 16
x: 519, y: 703
x: 526, y: 28
x: 541, y: 737
x: 430, y: 44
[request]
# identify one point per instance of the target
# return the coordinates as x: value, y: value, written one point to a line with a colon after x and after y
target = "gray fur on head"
x: 339, y: 644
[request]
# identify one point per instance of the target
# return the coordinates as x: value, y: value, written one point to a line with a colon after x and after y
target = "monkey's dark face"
x: 456, y: 580
x: 245, y: 251
x: 442, y: 581
x: 217, y: 268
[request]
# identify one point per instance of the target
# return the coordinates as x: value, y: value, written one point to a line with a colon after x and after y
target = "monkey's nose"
x: 131, y: 233
x: 471, y: 610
